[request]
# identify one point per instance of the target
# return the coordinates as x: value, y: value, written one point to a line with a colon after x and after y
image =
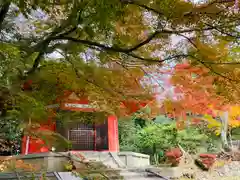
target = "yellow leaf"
x: 218, y: 132
x: 211, y: 122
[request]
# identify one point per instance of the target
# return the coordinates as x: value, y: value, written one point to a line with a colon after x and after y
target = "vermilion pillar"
x: 36, y: 145
x: 113, y: 140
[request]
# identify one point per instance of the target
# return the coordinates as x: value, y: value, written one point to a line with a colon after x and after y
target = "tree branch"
x: 81, y: 76
x: 36, y: 63
x: 134, y: 2
x: 151, y: 37
x: 220, y: 2
x: 222, y: 63
x: 217, y: 73
x: 205, y: 64
x: 142, y: 6
x: 3, y: 13
x: 222, y: 32
x: 189, y: 40
x: 42, y: 47
x: 159, y: 60
x: 128, y: 51
x: 91, y: 43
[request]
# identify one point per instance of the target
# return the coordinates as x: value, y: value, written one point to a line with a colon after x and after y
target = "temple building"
x: 102, y: 136
x: 83, y: 137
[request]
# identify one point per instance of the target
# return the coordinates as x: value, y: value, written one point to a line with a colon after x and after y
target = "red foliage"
x: 176, y: 153
x: 195, y: 86
x: 196, y: 121
x: 207, y: 159
x: 174, y: 156
x: 27, y: 85
x: 182, y: 66
x: 213, y: 156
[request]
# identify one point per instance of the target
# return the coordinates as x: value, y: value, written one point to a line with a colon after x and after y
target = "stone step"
x: 128, y: 174
x: 137, y: 174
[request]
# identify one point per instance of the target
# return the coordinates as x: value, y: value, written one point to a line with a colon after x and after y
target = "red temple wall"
x: 37, y: 145
x: 113, y: 141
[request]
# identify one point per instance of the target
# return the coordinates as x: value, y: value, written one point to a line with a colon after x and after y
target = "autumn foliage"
x: 198, y: 93
x: 195, y: 86
x: 205, y: 161
x: 174, y: 156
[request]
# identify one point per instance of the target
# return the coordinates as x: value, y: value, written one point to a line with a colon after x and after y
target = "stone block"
x: 132, y: 159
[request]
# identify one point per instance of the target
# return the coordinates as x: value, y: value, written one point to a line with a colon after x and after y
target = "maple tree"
x: 200, y: 93
x: 198, y: 90
x: 195, y: 89
x: 200, y: 87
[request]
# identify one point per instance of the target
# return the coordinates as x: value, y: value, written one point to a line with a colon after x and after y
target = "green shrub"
x: 155, y: 138
x: 128, y: 135
x: 166, y: 136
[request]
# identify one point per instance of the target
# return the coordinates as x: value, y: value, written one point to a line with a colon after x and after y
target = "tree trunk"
x: 3, y: 12
x: 224, y: 130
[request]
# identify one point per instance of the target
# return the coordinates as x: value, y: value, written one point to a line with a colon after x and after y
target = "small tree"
x: 128, y: 138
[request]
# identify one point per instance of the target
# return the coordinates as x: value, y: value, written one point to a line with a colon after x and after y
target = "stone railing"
x: 236, y: 145
x: 56, y: 161
x: 132, y: 159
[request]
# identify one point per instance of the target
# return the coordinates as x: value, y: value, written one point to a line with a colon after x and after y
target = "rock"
x: 236, y: 156
x: 221, y: 174
x: 229, y: 169
x: 171, y: 172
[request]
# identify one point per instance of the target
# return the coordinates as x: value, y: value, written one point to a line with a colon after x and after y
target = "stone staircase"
x: 109, y: 159
x: 126, y: 174
x: 124, y: 165
x: 130, y: 165
x: 140, y: 174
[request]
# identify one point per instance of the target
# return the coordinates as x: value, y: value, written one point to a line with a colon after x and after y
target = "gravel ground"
x: 229, y: 171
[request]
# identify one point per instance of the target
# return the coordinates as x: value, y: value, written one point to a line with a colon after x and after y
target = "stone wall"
x: 54, y: 161
x: 132, y: 159
x: 44, y: 161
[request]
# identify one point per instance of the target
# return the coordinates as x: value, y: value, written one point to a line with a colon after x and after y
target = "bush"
x: 128, y: 135
x: 154, y: 139
x: 166, y: 136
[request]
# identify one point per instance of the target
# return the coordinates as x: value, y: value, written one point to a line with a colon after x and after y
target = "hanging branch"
x: 3, y: 12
